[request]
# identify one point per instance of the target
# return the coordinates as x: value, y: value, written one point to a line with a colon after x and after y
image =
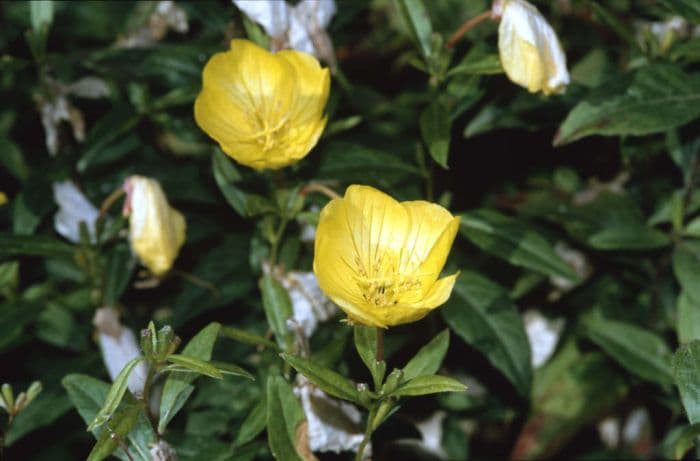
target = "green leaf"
x: 513, y: 241
x: 435, y: 127
x: 34, y: 245
x: 87, y: 395
x: 14, y: 317
x: 247, y: 337
x: 687, y: 439
x: 329, y: 381
x: 629, y: 237
x: 119, y: 268
x: 639, y: 351
x: 284, y: 414
x: 689, y: 9
x: 658, y: 98
x: 278, y: 309
x: 253, y: 424
x: 416, y: 17
x: 686, y: 267
x: 686, y: 371
x: 120, y: 424
x: 195, y: 365
x: 232, y: 369
x: 227, y: 178
x: 429, y: 384
x: 571, y: 391
x: 481, y: 313
x: 366, y: 346
x: 115, y: 394
x: 428, y: 360
x: 351, y: 162
x: 688, y: 321
x: 478, y: 63
x: 178, y: 387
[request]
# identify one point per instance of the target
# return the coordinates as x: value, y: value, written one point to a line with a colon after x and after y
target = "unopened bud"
x: 392, y: 381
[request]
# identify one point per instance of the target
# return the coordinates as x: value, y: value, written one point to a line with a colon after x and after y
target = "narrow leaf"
x: 278, y: 309
x: 428, y: 360
x: 178, y: 387
x: 639, y: 351
x: 196, y: 365
x: 435, y: 127
x: 513, y: 241
x: 115, y: 395
x: 416, y: 17
x: 481, y: 313
x: 686, y: 370
x: 284, y: 414
x: 328, y: 380
x: 429, y: 384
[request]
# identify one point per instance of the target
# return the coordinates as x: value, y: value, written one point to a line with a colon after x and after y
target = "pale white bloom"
x: 56, y: 107
x: 333, y: 425
x: 637, y: 425
x: 301, y: 27
x: 609, y: 432
x: 543, y: 335
x: 310, y: 305
x: 119, y: 346
x: 578, y: 262
x: 73, y: 208
x: 530, y: 51
x: 162, y: 451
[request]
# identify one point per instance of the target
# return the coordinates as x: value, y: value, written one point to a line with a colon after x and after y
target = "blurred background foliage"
x: 580, y: 219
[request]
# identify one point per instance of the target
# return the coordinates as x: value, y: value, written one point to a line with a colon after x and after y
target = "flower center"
x: 382, y: 284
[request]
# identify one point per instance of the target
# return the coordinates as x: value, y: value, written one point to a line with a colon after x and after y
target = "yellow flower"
x: 265, y: 110
x: 156, y: 230
x: 380, y: 260
x: 3, y: 198
x: 529, y: 48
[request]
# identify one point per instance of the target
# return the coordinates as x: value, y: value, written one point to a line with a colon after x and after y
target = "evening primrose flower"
x: 156, y: 230
x: 264, y: 109
x: 379, y: 260
x: 530, y: 51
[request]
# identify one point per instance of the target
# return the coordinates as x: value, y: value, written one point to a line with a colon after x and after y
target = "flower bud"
x: 392, y: 381
x: 530, y: 51
x: 156, y: 230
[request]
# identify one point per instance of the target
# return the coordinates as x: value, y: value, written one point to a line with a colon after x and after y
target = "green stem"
x: 152, y: 371
x: 278, y: 238
x: 368, y: 435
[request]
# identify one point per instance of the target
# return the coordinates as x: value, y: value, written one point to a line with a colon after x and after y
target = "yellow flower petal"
x: 379, y: 259
x: 265, y: 110
x: 156, y: 230
x: 3, y: 198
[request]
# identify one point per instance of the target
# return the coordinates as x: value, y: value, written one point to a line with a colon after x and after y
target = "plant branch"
x: 476, y: 20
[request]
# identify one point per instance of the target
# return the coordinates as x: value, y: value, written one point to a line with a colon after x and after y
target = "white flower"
x: 543, y: 335
x: 73, y: 208
x: 310, y: 305
x: 333, y: 425
x: 530, y: 51
x: 301, y: 27
x: 118, y: 345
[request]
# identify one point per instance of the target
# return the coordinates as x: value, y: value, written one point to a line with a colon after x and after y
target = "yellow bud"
x: 529, y: 48
x: 156, y: 230
x: 264, y: 109
x: 379, y: 260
